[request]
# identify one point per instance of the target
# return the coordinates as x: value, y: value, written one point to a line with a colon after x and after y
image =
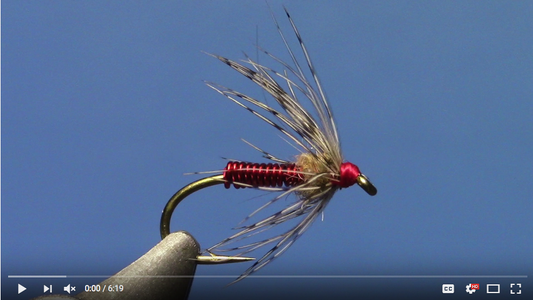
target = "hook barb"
x: 214, y: 259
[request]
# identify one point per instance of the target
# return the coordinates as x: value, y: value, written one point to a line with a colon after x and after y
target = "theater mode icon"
x: 493, y: 288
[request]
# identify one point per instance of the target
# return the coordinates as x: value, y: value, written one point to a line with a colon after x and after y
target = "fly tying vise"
x: 313, y: 178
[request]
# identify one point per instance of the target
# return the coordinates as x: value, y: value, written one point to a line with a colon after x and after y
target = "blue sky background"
x: 104, y: 110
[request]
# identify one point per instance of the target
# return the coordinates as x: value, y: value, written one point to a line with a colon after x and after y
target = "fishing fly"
x: 312, y: 178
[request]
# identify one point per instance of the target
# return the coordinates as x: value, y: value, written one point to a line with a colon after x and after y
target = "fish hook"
x: 173, y: 203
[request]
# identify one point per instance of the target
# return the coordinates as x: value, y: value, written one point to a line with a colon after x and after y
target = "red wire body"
x: 277, y: 175
x: 261, y: 175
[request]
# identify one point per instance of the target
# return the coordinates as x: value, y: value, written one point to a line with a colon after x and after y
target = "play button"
x: 21, y: 288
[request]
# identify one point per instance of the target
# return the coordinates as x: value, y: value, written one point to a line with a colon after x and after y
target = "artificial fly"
x: 313, y: 178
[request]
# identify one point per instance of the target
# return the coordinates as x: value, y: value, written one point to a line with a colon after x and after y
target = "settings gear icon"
x: 470, y: 289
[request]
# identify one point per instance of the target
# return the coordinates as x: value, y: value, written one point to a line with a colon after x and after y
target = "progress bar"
x: 269, y: 276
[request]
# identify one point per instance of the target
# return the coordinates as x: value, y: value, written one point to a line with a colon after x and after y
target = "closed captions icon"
x: 448, y: 288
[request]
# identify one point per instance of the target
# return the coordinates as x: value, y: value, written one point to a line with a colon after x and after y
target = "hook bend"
x: 173, y: 203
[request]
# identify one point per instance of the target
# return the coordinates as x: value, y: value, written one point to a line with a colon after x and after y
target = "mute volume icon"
x: 69, y: 288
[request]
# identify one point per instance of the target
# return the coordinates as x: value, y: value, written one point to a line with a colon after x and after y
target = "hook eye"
x: 366, y: 185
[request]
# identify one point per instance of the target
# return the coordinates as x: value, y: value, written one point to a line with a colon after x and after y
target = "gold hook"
x: 173, y: 203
